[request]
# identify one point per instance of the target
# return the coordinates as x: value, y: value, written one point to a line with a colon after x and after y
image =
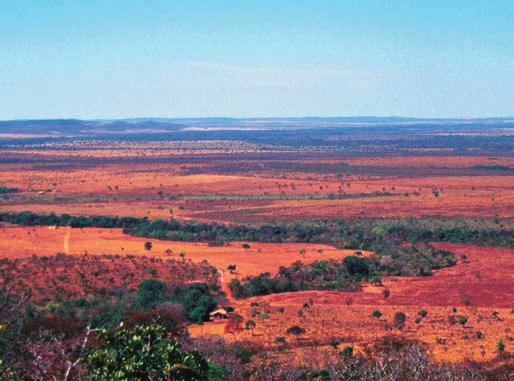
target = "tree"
x: 148, y: 245
x: 231, y: 268
x: 376, y: 313
x: 295, y: 330
x: 501, y: 347
x: 143, y: 352
x: 151, y: 293
x: 399, y: 320
x: 356, y: 265
x: 246, y: 246
x: 250, y: 324
x: 347, y: 352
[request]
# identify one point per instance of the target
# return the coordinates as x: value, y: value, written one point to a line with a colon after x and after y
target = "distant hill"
x: 74, y: 127
x: 77, y: 128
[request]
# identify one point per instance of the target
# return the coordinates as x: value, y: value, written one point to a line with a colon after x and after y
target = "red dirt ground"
x: 484, y: 283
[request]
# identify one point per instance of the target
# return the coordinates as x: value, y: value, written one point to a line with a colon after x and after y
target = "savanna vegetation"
x: 8, y: 190
x: 358, y: 233
x: 346, y: 275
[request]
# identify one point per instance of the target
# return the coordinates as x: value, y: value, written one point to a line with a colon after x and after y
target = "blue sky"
x: 113, y: 59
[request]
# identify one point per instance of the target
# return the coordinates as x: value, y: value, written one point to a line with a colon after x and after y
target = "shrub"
x: 151, y: 293
x: 250, y: 325
x: 356, y: 265
x: 463, y: 320
x: 347, y: 352
x: 376, y: 313
x: 501, y: 347
x: 399, y: 320
x: 295, y: 330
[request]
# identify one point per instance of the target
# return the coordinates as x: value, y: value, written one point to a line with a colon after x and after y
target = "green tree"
x: 143, y: 352
x: 501, y: 347
x: 356, y: 265
x: 250, y: 324
x: 151, y: 293
x: 295, y: 330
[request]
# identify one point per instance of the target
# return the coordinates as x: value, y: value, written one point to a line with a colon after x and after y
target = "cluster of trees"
x: 345, y: 274
x: 8, y: 190
x: 131, y: 334
x: 358, y: 233
x: 197, y: 300
x: 172, y: 306
x: 325, y: 274
x: 33, y: 219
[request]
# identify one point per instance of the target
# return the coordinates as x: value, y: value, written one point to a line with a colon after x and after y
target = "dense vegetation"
x: 346, y: 274
x: 358, y: 233
x: 8, y: 190
x: 128, y: 354
x: 131, y: 332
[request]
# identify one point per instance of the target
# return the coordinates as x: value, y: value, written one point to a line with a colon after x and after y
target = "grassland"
x: 238, y: 207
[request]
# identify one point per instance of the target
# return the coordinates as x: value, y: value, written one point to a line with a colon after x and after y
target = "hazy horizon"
x: 172, y: 118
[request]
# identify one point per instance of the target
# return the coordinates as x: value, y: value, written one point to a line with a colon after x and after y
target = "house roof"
x: 220, y: 311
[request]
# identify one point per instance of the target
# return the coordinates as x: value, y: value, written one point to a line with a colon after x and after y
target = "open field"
x: 452, y: 186
x: 18, y: 242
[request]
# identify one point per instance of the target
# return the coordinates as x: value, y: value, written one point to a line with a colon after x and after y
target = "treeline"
x: 357, y: 233
x: 33, y: 219
x: 345, y: 275
x: 8, y: 190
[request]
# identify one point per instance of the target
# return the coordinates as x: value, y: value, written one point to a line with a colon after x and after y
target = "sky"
x: 163, y: 58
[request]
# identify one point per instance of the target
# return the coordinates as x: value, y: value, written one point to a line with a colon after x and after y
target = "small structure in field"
x: 220, y: 313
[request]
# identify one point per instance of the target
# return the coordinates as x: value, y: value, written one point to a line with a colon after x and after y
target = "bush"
x: 347, y: 352
x: 143, y: 352
x: 399, y: 320
x: 356, y: 265
x: 295, y: 330
x: 376, y: 313
x: 151, y: 293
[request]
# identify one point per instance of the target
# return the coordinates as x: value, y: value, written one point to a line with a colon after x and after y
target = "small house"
x: 220, y: 313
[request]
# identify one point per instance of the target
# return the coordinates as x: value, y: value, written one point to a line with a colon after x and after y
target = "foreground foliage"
x: 143, y: 353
